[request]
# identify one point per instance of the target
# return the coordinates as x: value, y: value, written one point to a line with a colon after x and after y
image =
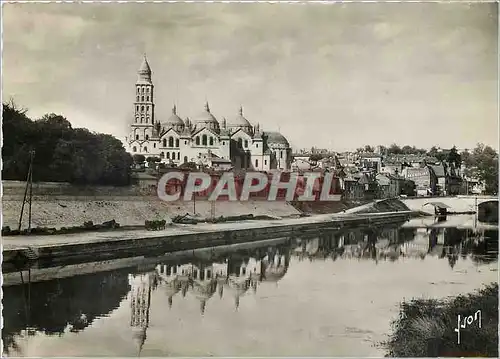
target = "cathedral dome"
x: 240, y: 122
x: 206, y: 119
x: 277, y: 139
x: 173, y: 121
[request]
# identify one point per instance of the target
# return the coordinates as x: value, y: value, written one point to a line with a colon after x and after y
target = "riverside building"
x: 234, y: 143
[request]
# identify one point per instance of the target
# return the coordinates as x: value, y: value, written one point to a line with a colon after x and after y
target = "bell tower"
x: 143, y: 126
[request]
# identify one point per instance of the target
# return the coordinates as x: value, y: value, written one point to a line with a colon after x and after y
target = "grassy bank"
x: 426, y: 327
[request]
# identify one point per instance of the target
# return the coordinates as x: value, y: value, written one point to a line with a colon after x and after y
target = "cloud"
x: 315, y: 69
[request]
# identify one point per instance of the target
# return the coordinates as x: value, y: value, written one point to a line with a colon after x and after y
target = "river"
x: 334, y: 294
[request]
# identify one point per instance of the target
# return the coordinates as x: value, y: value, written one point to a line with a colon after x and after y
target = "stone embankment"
x: 62, y: 205
x: 181, y: 237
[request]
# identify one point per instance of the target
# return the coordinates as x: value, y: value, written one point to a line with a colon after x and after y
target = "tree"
x: 138, y: 158
x: 153, y: 159
x: 482, y: 163
x: 394, y: 149
x: 454, y: 157
x: 408, y: 150
x: 62, y: 154
x: 369, y: 149
x: 316, y: 157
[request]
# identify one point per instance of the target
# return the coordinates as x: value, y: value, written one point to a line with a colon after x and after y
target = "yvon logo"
x: 312, y: 186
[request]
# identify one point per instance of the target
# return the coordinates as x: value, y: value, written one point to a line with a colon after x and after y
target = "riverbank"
x: 180, y: 237
x: 425, y: 327
x: 34, y: 273
x: 57, y: 205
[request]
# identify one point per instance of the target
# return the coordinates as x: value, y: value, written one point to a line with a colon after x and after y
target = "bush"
x: 426, y: 327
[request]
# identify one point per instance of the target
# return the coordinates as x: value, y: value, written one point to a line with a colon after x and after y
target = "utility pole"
x: 28, y: 189
x: 212, y: 209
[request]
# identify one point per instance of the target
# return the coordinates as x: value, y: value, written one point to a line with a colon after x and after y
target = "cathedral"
x: 204, y: 140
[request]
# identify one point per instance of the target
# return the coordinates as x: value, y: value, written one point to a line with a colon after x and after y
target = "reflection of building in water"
x: 236, y: 276
x: 141, y: 286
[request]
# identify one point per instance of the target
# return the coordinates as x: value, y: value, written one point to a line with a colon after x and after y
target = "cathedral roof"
x: 206, y: 119
x: 240, y: 120
x: 276, y: 138
x: 173, y: 120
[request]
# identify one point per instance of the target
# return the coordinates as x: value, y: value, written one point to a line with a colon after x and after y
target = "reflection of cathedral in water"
x: 235, y: 276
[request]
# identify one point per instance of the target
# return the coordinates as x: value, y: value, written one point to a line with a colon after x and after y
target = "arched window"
x: 164, y: 142
x: 137, y: 98
x: 176, y: 142
x: 147, y: 137
x: 136, y: 119
x: 204, y: 140
x: 240, y: 143
x: 173, y: 155
x: 145, y: 149
x: 142, y: 98
x: 170, y: 141
x: 162, y: 155
x: 168, y: 155
x: 197, y: 140
x: 246, y: 143
x: 211, y: 141
x: 147, y: 119
x: 142, y: 108
x: 178, y: 156
x: 138, y: 90
x: 137, y: 108
x: 147, y: 89
x: 142, y: 89
x: 134, y: 149
x: 147, y: 98
x: 136, y: 137
x: 256, y: 163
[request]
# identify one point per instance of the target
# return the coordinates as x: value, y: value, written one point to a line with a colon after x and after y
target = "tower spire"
x: 144, y: 71
x: 241, y: 110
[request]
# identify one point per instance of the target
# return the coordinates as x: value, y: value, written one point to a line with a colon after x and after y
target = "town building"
x: 203, y: 140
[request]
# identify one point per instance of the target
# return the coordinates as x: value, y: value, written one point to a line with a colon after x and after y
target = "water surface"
x: 332, y: 295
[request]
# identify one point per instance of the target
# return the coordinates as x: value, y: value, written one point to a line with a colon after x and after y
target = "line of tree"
x: 482, y: 163
x: 62, y: 153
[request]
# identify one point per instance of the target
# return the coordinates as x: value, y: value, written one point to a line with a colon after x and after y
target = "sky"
x: 336, y: 76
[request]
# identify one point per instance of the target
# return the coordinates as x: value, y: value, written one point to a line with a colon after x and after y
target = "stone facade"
x: 204, y: 140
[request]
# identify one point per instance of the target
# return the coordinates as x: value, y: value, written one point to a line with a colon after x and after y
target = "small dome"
x: 172, y: 288
x: 240, y: 122
x: 174, y: 120
x: 275, y: 274
x: 204, y: 289
x: 206, y: 119
x: 276, y: 138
